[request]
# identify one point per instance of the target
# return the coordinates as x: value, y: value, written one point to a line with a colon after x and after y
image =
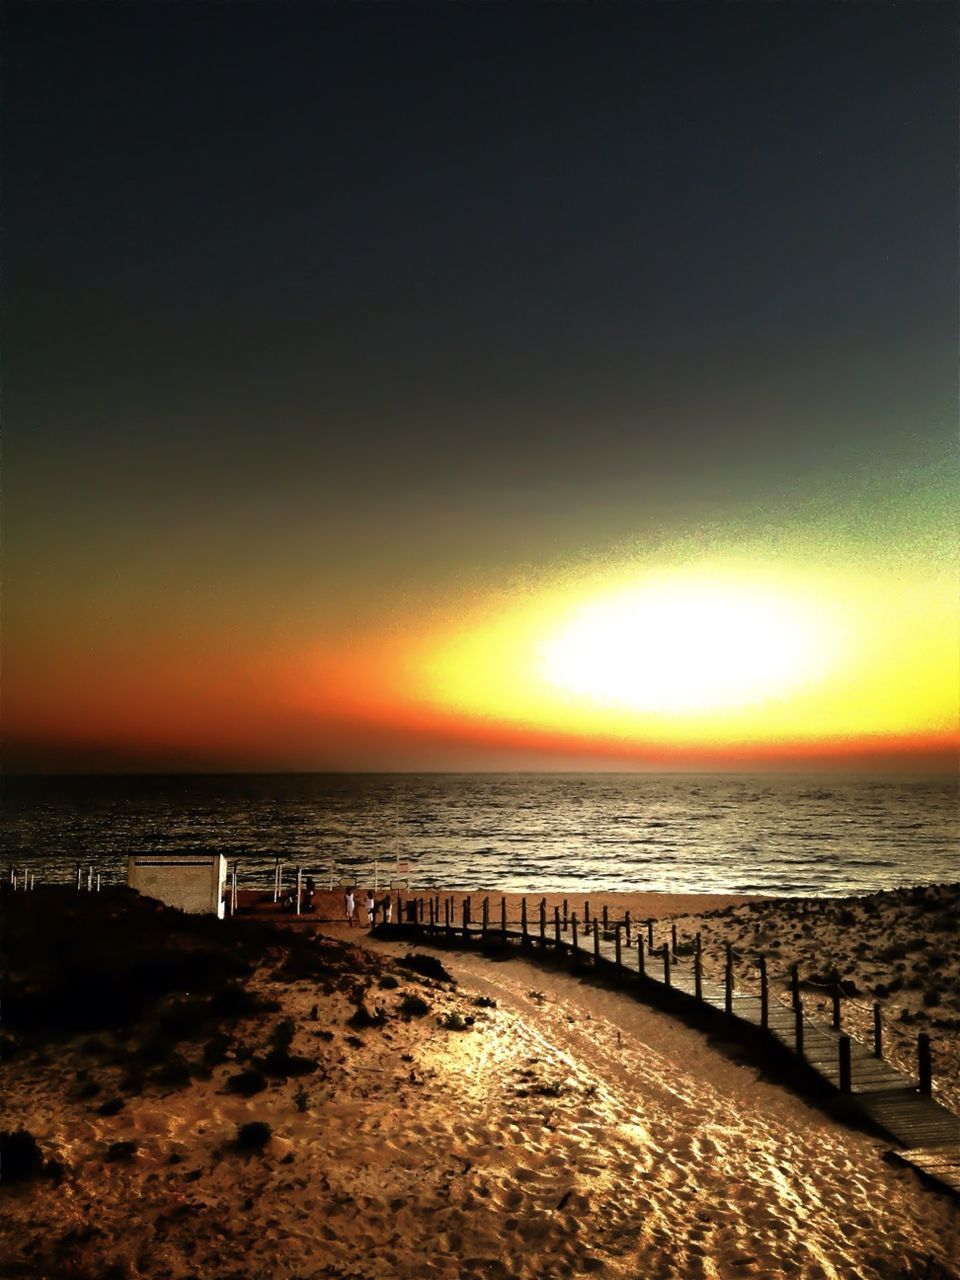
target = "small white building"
x: 190, y: 881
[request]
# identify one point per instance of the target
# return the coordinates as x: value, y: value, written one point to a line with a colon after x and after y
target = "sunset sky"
x: 480, y: 386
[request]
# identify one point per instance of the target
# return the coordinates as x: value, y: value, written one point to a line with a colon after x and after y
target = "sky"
x: 480, y: 386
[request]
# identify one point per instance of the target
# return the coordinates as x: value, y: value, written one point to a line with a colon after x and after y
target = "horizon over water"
x: 772, y: 833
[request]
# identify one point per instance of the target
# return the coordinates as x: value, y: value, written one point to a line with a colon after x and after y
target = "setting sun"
x: 687, y: 644
x: 734, y: 651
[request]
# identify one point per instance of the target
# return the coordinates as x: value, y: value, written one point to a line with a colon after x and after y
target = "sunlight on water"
x: 548, y: 833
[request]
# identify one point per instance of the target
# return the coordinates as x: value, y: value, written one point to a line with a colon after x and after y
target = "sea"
x: 785, y: 834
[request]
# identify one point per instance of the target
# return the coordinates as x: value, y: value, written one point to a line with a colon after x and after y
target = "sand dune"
x: 567, y: 1130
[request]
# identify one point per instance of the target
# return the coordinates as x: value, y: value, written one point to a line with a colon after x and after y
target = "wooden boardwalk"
x: 926, y: 1133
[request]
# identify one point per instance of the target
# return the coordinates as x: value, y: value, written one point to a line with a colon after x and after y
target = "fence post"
x: 673, y: 938
x: 79, y: 874
x: 98, y: 881
x: 468, y: 903
x: 276, y: 879
x: 626, y: 925
x: 798, y: 1027
x: 617, y: 946
x: 233, y: 890
x: 606, y: 918
x: 485, y: 922
x: 90, y: 878
x: 877, y: 1030
x: 835, y: 995
x: 399, y: 908
x: 586, y: 915
x: 795, y: 985
x: 299, y: 888
x: 845, y: 1075
x: 446, y: 913
x: 573, y: 926
x: 596, y: 941
x: 543, y: 922
x: 466, y: 919
x: 728, y: 981
x: 556, y: 927
x: 764, y: 994
x: 666, y: 966
x: 650, y: 933
x: 641, y: 966
x: 924, y: 1064
x: 697, y: 974
x: 523, y: 920
x: 566, y: 916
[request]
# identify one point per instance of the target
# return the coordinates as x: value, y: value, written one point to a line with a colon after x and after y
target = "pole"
x: 924, y: 1064
x: 798, y: 1027
x: 617, y: 945
x: 566, y: 915
x: 543, y: 922
x: 573, y: 926
x: 835, y: 995
x: 845, y: 1073
x: 523, y: 919
x: 299, y: 888
x: 596, y: 942
x: 233, y: 890
x: 650, y: 934
x: 626, y: 925
x: 641, y: 967
x: 877, y: 1030
x: 728, y: 981
x: 503, y: 916
x: 764, y: 994
x: 556, y: 926
x: 795, y: 985
x: 666, y: 966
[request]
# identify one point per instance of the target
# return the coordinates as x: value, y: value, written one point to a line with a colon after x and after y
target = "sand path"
x: 632, y: 1145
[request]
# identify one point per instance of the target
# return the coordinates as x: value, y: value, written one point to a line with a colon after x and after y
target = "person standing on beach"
x: 349, y: 906
x: 371, y: 907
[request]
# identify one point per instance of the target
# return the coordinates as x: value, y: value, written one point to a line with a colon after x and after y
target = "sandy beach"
x: 454, y: 1116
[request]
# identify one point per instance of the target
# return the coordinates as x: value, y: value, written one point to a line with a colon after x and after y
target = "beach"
x: 448, y: 1116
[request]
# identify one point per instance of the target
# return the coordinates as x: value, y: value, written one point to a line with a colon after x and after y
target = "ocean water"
x: 569, y: 833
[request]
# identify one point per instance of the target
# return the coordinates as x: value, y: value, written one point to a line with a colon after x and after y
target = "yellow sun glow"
x: 726, y: 652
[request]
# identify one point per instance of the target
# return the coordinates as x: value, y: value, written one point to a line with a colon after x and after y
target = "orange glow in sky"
x: 723, y: 654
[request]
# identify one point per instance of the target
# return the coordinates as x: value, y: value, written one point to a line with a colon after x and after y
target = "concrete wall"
x: 189, y: 881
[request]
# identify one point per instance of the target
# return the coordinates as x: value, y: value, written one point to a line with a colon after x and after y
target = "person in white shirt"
x: 349, y: 907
